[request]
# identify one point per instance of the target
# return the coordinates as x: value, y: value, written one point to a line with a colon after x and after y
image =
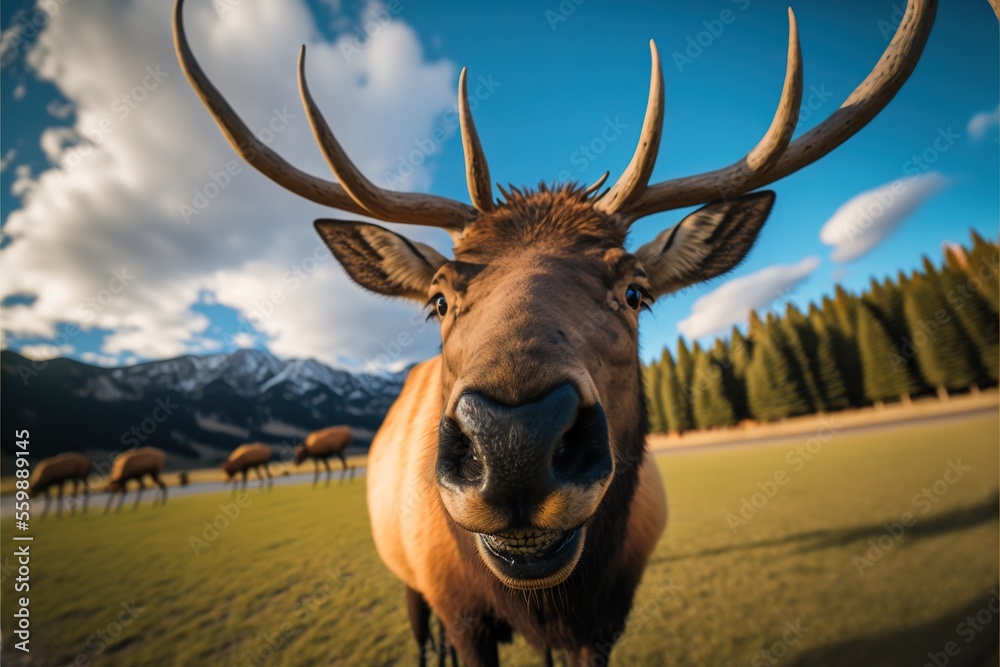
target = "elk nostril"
x: 470, y: 468
x: 458, y: 462
x: 562, y: 458
x: 583, y: 455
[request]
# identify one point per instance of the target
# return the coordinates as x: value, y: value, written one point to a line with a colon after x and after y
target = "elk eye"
x: 441, y: 305
x: 633, y: 297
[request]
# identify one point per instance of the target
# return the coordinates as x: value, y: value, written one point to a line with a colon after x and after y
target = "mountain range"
x: 194, y: 407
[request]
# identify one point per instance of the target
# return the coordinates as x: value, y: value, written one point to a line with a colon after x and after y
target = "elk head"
x: 300, y: 453
x: 541, y: 406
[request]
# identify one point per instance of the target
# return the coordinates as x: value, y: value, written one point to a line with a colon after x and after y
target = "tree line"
x: 935, y: 330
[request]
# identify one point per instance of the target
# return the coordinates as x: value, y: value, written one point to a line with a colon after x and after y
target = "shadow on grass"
x: 919, y: 645
x: 953, y: 520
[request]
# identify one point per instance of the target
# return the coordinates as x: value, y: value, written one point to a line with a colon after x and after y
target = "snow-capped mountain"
x: 195, y: 407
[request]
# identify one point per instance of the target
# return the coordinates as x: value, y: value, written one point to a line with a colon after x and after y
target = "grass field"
x: 297, y: 569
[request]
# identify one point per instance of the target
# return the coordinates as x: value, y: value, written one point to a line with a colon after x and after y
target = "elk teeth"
x: 524, y: 541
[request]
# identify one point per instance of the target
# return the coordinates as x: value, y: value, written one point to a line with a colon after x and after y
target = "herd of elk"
x: 321, y: 445
x: 523, y: 442
x: 136, y: 464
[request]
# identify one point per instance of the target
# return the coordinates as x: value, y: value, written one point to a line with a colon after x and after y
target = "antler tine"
x: 867, y: 100
x: 354, y: 193
x: 596, y: 185
x: 244, y: 142
x: 636, y: 176
x: 774, y: 142
x: 383, y: 204
x: 477, y: 172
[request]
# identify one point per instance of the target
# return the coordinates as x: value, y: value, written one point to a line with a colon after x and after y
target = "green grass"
x: 301, y: 562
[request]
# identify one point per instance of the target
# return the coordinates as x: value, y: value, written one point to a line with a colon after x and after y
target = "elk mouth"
x: 531, y: 558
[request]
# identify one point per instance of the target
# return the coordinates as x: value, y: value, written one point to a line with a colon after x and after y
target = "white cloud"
x: 869, y: 218
x: 980, y: 123
x: 98, y: 359
x: 20, y: 90
x: 61, y: 110
x: 114, y: 199
x: 45, y: 351
x: 731, y: 303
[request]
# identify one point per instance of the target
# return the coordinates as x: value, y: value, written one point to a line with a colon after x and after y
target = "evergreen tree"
x: 685, y: 364
x: 827, y: 371
x: 772, y: 387
x: 740, y: 349
x: 844, y: 305
x: 756, y: 326
x: 654, y: 402
x: 711, y: 404
x: 839, y: 318
x: 801, y: 350
x: 887, y: 301
x: 938, y: 327
x: 873, y: 297
x: 677, y: 412
x: 883, y: 379
x: 978, y: 320
x: 892, y: 311
x: 740, y: 354
x: 982, y: 266
x: 936, y: 280
x: 944, y: 354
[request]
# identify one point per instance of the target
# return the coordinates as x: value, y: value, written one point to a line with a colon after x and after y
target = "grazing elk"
x: 136, y: 464
x: 521, y: 447
x: 321, y: 445
x: 56, y: 471
x: 255, y: 455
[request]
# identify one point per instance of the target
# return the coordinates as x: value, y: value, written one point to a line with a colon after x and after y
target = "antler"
x: 775, y: 156
x: 354, y: 192
x: 477, y: 172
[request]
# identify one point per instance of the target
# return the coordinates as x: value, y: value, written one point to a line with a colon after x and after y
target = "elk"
x: 521, y: 446
x: 135, y: 464
x: 255, y: 455
x: 56, y: 471
x: 321, y: 445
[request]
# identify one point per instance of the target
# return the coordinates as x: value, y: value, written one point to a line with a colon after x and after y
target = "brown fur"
x: 565, y: 263
x: 321, y: 445
x: 414, y: 538
x: 245, y: 457
x: 540, y: 296
x: 57, y: 470
x: 134, y: 465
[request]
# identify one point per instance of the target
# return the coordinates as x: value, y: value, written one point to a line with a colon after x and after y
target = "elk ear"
x: 705, y: 244
x: 380, y: 260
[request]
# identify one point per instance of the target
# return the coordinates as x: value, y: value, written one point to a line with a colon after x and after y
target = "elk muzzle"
x: 525, y: 480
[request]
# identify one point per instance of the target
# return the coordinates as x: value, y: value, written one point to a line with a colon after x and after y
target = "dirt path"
x: 928, y: 410
x: 775, y: 439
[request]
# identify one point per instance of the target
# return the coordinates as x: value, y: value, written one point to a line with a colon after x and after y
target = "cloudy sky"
x: 131, y: 231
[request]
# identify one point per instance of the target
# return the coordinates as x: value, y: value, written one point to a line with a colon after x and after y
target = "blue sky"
x: 558, y: 79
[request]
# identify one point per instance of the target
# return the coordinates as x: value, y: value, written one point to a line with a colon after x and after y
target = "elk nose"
x: 516, y: 456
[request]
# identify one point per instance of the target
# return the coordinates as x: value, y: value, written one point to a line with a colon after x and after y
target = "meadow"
x: 865, y: 548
